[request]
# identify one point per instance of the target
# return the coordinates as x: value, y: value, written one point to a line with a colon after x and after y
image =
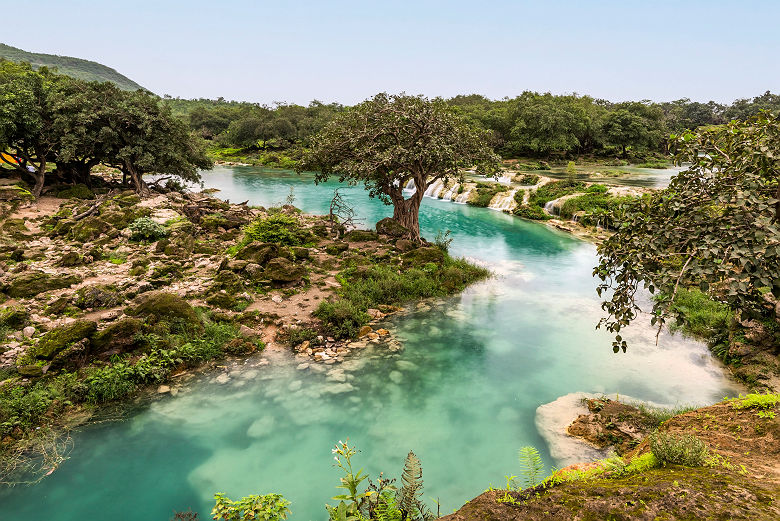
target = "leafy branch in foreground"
x: 716, y: 227
x: 531, y: 466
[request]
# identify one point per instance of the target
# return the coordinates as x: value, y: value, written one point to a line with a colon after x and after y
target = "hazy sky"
x: 296, y: 51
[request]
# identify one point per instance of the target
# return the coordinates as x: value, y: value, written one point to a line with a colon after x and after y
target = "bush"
x: 297, y: 335
x: 554, y: 190
x: 596, y: 189
x: 684, y: 449
x: 145, y: 229
x: 484, y: 193
x: 526, y: 179
x: 532, y: 212
x: 341, y: 318
x: 278, y: 228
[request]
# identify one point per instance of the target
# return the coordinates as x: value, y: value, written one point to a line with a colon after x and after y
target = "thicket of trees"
x: 55, y: 129
x: 532, y: 124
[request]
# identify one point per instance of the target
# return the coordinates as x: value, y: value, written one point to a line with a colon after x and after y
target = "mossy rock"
x: 120, y: 336
x: 361, y: 236
x: 299, y: 252
x: 214, y: 221
x: 390, y: 227
x: 14, y: 317
x: 98, y: 296
x: 89, y: 229
x: 183, y: 228
x: 71, y: 357
x: 224, y: 300
x: 159, y: 306
x: 14, y: 226
x: 62, y: 228
x: 259, y: 252
x: 78, y: 191
x: 61, y: 337
x: 127, y: 199
x: 59, y: 306
x: 422, y: 256
x: 282, y: 270
x: 30, y: 371
x: 32, y: 283
x: 70, y: 259
x: 227, y: 281
x: 15, y: 193
x: 404, y: 245
x: 336, y: 248
x: 320, y: 230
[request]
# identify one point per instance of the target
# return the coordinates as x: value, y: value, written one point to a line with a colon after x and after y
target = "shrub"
x: 527, y: 179
x: 554, y: 190
x: 596, y: 189
x: 278, y: 228
x: 297, y: 335
x: 269, y: 507
x: 484, y: 193
x: 341, y: 318
x: 684, y: 449
x: 532, y: 212
x: 145, y: 229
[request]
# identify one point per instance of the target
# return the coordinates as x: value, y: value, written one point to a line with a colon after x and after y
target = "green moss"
x: 122, y: 336
x: 163, y: 306
x: 31, y: 283
x: 89, y: 229
x: 78, y: 191
x: 282, y: 270
x: 13, y: 317
x: 61, y: 337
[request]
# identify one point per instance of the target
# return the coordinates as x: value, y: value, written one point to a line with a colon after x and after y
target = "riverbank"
x: 716, y: 462
x: 105, y: 294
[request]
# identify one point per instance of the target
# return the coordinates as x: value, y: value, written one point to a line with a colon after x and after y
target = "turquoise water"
x: 462, y: 394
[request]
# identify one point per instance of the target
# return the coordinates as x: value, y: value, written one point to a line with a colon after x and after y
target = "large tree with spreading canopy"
x: 389, y: 140
x: 716, y: 227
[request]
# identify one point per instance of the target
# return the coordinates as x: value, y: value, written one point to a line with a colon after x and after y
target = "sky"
x: 347, y: 51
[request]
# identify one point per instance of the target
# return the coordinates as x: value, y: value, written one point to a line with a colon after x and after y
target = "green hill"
x: 75, y: 67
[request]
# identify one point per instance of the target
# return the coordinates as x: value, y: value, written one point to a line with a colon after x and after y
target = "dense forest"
x: 531, y: 124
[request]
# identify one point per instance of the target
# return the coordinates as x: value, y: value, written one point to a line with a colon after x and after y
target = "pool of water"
x: 462, y: 394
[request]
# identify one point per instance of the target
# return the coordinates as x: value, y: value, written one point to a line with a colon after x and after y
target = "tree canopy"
x: 50, y: 119
x: 389, y: 140
x: 716, y: 227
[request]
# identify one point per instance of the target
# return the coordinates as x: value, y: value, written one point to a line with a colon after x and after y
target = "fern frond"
x: 531, y: 466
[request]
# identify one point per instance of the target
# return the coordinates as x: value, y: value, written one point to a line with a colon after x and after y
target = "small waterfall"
x: 410, y: 185
x: 549, y: 207
x: 434, y: 189
x: 463, y: 197
x: 503, y: 201
x: 505, y: 180
x: 450, y: 193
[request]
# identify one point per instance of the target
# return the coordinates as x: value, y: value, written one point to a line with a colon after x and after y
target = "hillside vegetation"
x: 74, y: 67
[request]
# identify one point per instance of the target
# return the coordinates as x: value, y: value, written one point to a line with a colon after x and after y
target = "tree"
x: 716, y: 227
x: 26, y: 120
x: 389, y: 140
x: 147, y: 139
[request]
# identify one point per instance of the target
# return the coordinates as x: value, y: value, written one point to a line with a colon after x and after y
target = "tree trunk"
x: 39, y: 175
x: 137, y: 179
x: 407, y: 211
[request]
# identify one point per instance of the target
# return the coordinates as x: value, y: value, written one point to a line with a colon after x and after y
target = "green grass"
x: 658, y: 164
x: 699, y: 315
x: 383, y: 284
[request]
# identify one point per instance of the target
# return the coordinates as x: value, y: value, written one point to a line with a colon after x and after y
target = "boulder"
x: 120, y: 336
x: 361, y: 236
x: 14, y: 317
x: 89, y: 229
x: 392, y: 228
x: 299, y: 252
x: 404, y: 245
x: 336, y: 248
x: 72, y: 357
x: 258, y: 252
x: 70, y: 259
x: 282, y: 270
x: 31, y: 283
x: 30, y: 370
x: 422, y: 256
x: 61, y: 337
x: 159, y: 306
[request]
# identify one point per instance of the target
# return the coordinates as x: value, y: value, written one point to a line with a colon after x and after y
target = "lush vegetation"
x: 74, y: 67
x: 386, y: 141
x: 484, y: 193
x: 529, y: 125
x: 49, y: 120
x: 717, y: 227
x: 428, y: 272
